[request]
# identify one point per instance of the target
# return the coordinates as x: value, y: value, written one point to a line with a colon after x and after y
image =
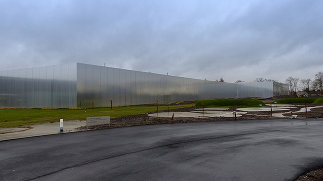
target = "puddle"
x: 308, y: 108
x: 281, y: 105
x: 223, y: 112
x: 255, y: 109
x: 213, y: 109
x: 279, y: 115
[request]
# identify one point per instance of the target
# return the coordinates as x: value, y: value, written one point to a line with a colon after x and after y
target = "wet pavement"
x: 267, y: 150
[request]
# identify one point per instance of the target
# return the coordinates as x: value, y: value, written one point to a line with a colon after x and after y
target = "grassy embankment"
x: 230, y: 103
x: 10, y: 118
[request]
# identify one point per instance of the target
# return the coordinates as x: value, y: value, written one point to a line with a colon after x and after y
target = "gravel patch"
x: 315, y: 175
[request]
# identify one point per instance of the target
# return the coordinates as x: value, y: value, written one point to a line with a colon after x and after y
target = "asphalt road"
x: 243, y: 150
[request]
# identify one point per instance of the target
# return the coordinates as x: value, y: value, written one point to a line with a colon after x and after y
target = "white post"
x: 61, y: 129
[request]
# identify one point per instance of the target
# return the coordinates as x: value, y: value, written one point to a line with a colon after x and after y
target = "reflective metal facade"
x: 280, y: 89
x: 53, y: 86
x: 83, y: 85
x: 98, y: 85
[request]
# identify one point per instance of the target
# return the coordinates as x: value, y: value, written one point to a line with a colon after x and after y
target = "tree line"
x: 295, y: 84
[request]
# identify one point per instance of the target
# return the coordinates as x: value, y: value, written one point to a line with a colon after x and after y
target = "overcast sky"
x: 233, y: 39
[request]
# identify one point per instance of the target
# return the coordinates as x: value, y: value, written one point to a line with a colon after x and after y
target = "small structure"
x: 94, y: 121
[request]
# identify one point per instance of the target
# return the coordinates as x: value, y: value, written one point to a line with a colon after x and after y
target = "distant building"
x: 83, y: 85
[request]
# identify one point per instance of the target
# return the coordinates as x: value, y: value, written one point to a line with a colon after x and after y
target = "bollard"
x: 306, y: 116
x: 157, y: 108
x: 234, y: 109
x: 271, y: 110
x: 61, y: 126
x: 203, y: 108
x: 111, y: 103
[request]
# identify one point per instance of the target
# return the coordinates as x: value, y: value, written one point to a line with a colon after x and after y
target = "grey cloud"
x: 233, y: 39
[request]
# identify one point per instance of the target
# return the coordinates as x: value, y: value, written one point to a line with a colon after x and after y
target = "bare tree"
x: 260, y: 79
x: 221, y: 80
x: 318, y: 81
x: 306, y: 84
x: 295, y: 84
x: 289, y: 81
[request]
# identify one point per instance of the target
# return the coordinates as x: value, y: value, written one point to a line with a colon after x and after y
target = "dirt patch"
x: 314, y: 113
x: 144, y: 119
x: 315, y: 175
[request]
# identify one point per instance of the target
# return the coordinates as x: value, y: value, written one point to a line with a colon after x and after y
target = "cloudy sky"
x: 233, y: 39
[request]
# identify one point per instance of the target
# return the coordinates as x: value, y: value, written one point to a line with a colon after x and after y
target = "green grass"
x: 318, y: 101
x: 10, y: 118
x: 230, y: 102
x: 296, y: 100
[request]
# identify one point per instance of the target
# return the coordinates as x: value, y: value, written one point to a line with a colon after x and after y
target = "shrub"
x: 318, y: 101
x: 230, y: 102
x: 296, y: 100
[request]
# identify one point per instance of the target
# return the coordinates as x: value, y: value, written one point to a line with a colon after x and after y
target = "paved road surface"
x: 244, y: 150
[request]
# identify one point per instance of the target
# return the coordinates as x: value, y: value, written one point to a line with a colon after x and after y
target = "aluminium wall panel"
x: 256, y: 89
x: 280, y: 89
x: 85, y: 85
x: 126, y: 87
x: 53, y: 87
x: 97, y: 86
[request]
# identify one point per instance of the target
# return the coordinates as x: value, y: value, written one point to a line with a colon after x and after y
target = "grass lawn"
x: 230, y: 103
x: 10, y: 118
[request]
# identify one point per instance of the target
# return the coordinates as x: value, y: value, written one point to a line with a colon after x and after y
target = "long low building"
x: 83, y: 85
